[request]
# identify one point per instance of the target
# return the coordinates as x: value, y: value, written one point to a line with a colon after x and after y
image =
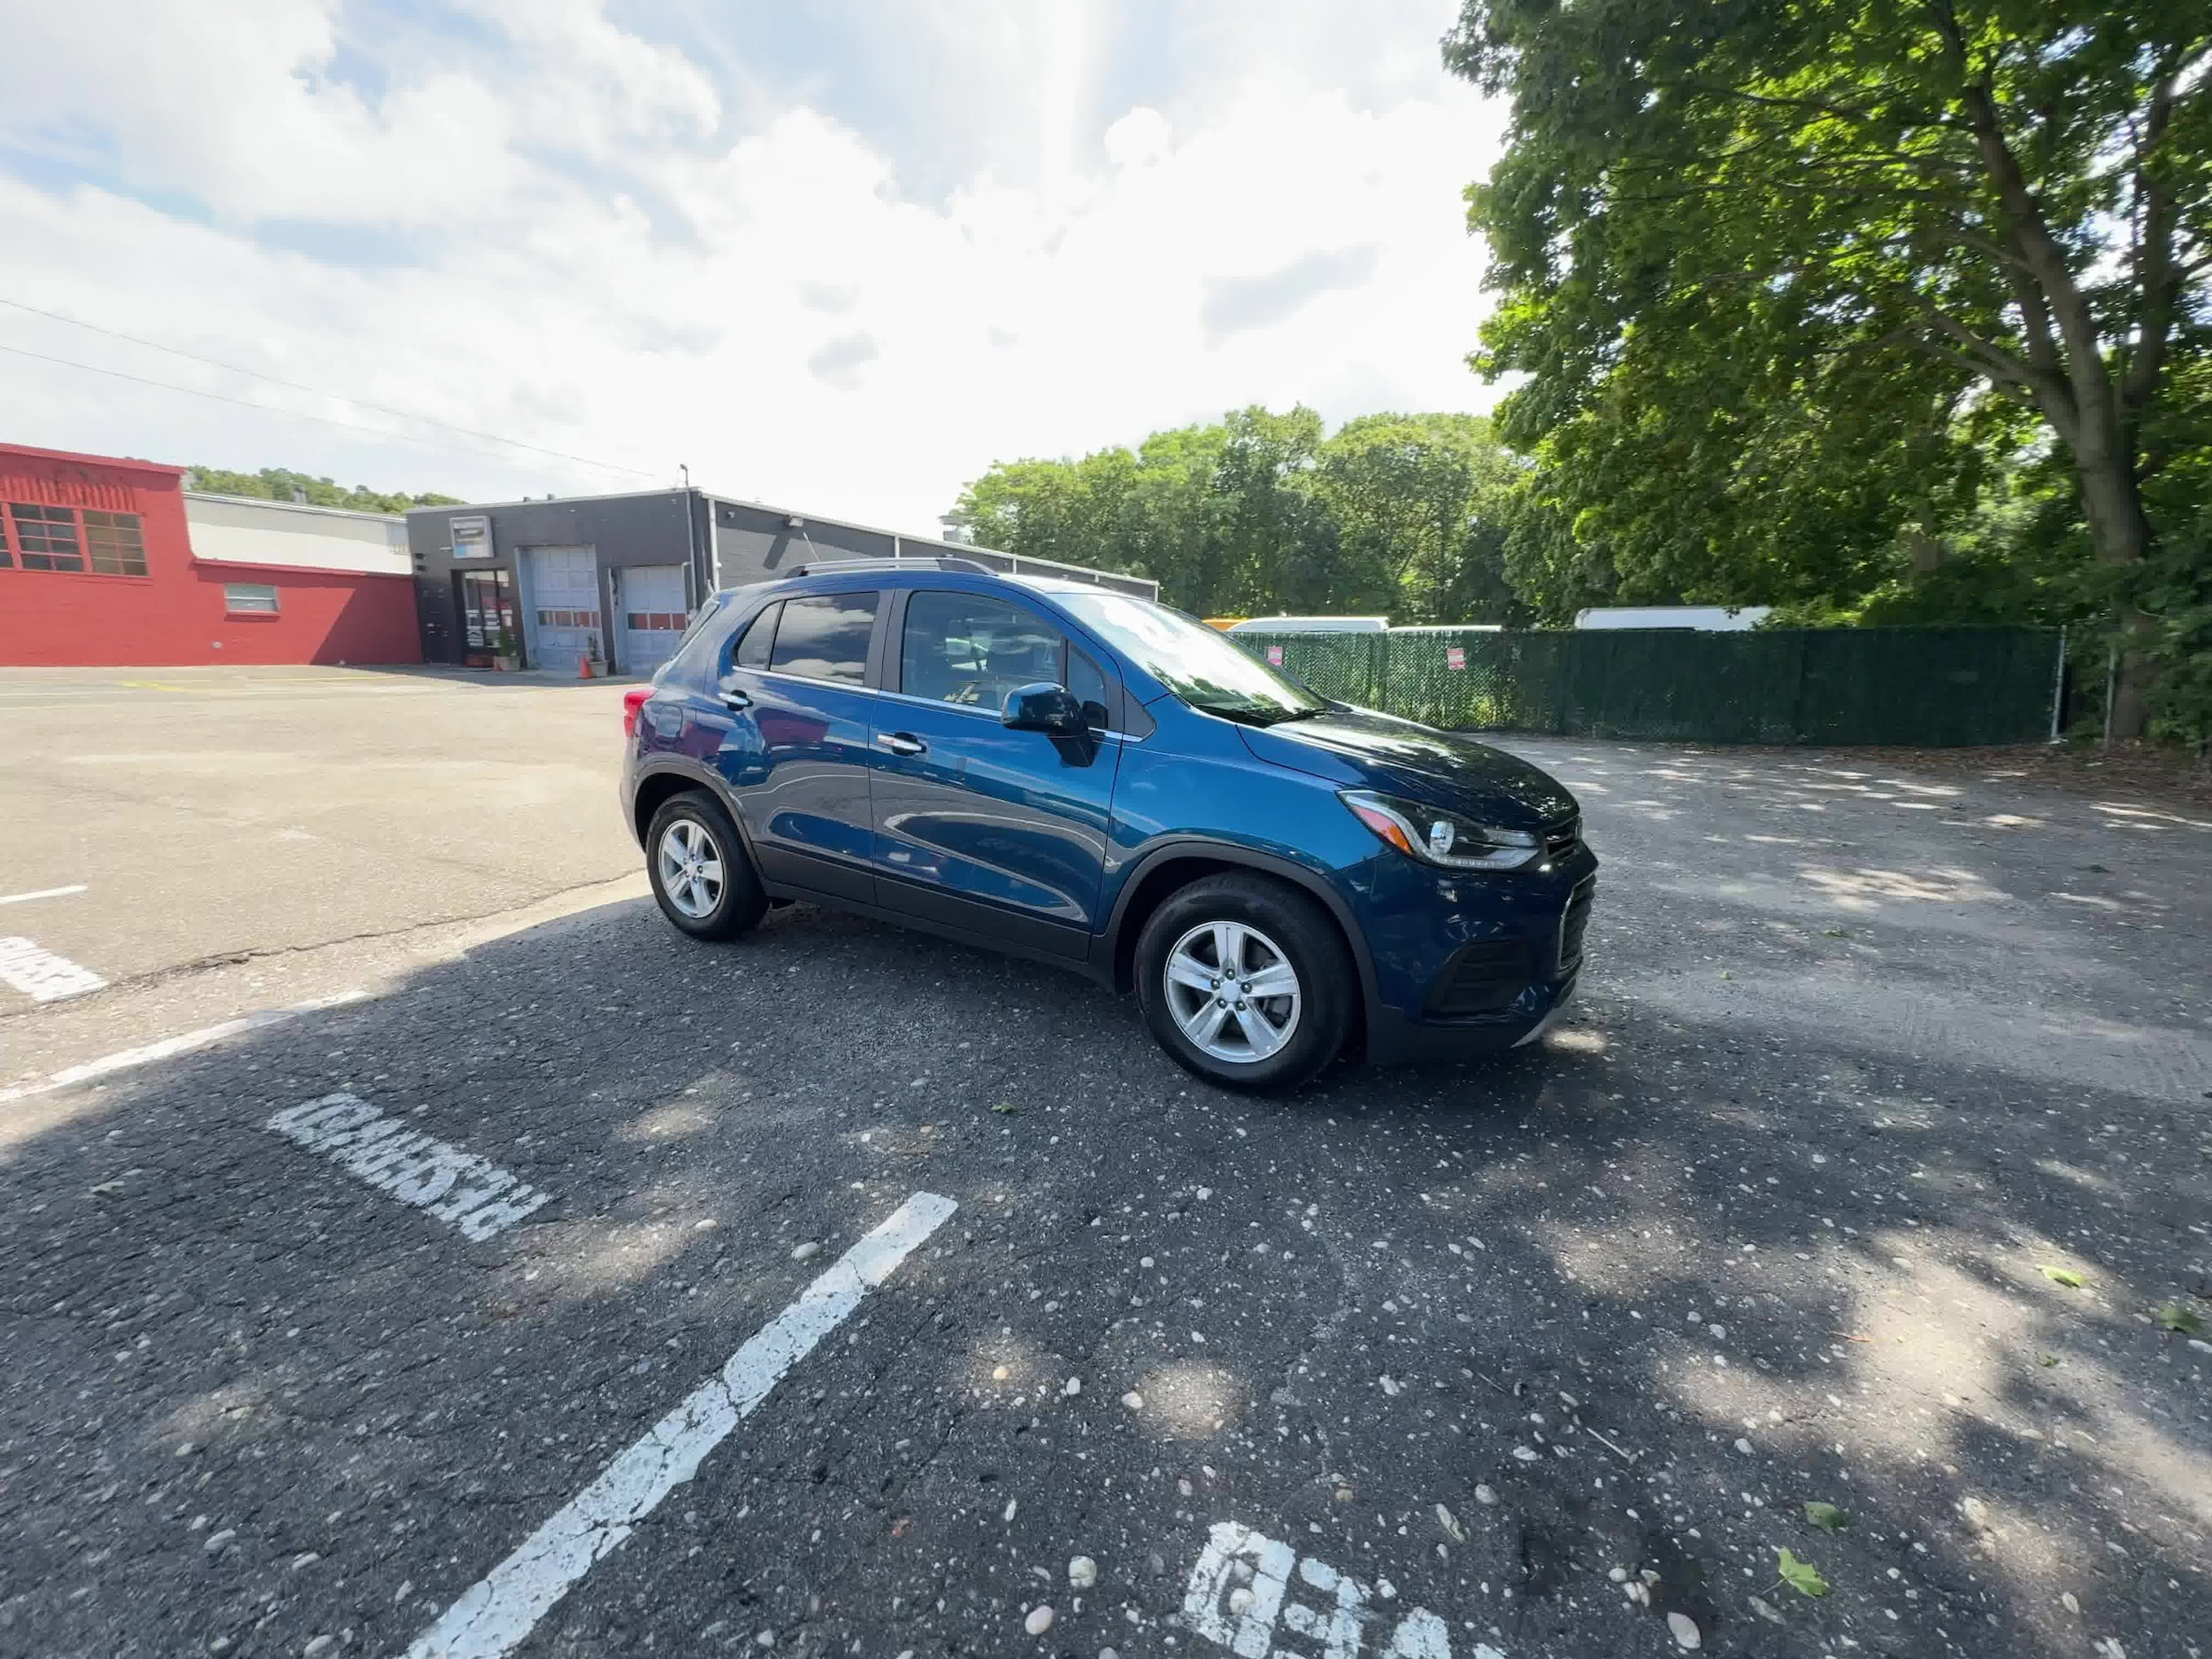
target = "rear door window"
x: 752, y: 650
x: 826, y: 637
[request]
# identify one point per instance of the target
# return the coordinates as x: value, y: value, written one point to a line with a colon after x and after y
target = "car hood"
x: 1356, y: 748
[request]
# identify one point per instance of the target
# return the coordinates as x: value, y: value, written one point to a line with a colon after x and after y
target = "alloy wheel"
x: 1233, y: 992
x: 691, y: 868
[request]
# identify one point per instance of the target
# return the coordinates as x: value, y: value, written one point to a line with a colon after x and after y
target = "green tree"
x: 1423, y: 505
x: 1261, y: 512
x: 277, y: 483
x: 1911, y: 206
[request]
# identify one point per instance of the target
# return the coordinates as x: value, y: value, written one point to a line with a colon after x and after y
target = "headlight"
x: 1443, y: 838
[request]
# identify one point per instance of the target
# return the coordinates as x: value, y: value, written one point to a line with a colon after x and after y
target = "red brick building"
x: 107, y: 561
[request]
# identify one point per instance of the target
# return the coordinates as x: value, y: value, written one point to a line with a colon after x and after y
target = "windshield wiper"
x: 1259, y: 717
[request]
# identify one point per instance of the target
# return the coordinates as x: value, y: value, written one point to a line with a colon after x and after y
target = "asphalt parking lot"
x: 532, y: 1297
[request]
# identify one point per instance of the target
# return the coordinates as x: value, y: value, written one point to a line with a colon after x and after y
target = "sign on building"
x: 471, y: 536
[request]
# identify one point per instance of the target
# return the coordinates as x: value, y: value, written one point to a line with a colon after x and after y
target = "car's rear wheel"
x: 1245, y: 981
x: 702, y: 878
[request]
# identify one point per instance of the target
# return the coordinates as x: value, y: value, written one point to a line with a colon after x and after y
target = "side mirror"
x: 1044, y: 707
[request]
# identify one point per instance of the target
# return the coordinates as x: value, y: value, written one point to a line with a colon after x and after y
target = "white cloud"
x: 590, y: 251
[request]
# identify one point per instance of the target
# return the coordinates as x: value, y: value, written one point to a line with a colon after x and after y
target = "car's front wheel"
x: 702, y: 878
x: 1245, y: 981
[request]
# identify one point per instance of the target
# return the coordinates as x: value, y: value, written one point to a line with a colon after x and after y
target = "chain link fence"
x: 1928, y: 687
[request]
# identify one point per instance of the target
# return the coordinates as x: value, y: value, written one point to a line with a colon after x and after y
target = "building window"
x: 46, y: 537
x: 114, y: 542
x: 249, y: 599
x: 7, y: 559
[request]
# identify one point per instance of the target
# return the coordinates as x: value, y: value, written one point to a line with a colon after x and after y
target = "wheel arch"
x: 1166, y: 869
x: 657, y: 784
x: 653, y: 791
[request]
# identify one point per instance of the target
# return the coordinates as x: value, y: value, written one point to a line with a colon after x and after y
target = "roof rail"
x: 934, y: 562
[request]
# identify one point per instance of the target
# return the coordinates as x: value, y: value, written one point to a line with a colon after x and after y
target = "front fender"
x: 1169, y: 849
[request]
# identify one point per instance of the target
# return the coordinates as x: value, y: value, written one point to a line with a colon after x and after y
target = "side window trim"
x: 883, y: 644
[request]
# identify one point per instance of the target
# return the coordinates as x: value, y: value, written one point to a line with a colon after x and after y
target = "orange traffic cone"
x: 583, y: 666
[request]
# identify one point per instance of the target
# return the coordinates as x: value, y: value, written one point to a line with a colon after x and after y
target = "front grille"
x: 1481, y: 979
x: 1576, y: 920
x: 1559, y: 839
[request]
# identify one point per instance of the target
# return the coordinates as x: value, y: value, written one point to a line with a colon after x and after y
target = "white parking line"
x: 40, y: 974
x: 1242, y: 1589
x: 474, y: 1193
x: 494, y: 1614
x: 43, y: 893
x: 206, y: 1037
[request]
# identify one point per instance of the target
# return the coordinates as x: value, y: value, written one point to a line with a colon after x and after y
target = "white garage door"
x: 561, y: 606
x: 651, y: 598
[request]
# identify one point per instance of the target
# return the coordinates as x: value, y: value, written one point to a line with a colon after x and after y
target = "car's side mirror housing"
x: 1045, y: 708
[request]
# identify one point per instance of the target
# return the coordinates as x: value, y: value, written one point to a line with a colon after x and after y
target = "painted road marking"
x: 1242, y: 1589
x: 493, y: 1616
x: 41, y: 975
x: 475, y: 1195
x: 168, y: 1048
x: 43, y: 893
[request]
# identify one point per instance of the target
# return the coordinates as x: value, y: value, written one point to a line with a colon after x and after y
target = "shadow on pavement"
x: 1652, y: 1288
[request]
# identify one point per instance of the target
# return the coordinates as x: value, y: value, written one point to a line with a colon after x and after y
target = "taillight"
x: 632, y: 700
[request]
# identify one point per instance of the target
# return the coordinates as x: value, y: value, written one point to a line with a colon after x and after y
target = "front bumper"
x: 1469, y: 968
x: 1396, y: 1039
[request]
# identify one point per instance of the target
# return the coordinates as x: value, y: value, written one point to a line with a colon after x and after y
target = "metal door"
x: 649, y: 599
x: 561, y: 608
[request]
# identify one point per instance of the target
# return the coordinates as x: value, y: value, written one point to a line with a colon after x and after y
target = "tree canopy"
x: 1803, y: 292
x: 1402, y: 515
x: 277, y: 483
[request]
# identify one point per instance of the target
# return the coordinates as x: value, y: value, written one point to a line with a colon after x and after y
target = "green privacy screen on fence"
x: 1931, y: 687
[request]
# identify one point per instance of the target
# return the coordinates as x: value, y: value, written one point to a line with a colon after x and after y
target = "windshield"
x: 1198, y: 664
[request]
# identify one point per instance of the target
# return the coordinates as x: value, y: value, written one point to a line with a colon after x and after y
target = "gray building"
x: 618, y: 577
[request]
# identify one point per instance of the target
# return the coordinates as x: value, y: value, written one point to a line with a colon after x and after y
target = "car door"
x: 999, y: 832
x: 797, y: 754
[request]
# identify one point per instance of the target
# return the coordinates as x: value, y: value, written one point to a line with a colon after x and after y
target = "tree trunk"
x: 2120, y: 531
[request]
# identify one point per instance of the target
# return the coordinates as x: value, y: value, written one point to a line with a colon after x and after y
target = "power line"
x: 297, y: 386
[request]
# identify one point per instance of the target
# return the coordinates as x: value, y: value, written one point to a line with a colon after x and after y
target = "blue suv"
x: 1096, y: 781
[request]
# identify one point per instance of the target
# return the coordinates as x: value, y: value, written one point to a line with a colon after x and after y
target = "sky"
x: 839, y: 255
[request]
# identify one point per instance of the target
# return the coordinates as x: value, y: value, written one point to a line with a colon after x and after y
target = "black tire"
x: 1291, y: 926
x: 738, y: 903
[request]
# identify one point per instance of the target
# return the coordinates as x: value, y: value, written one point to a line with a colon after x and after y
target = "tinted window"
x: 826, y: 637
x: 974, y: 650
x: 1089, y: 686
x: 752, y: 650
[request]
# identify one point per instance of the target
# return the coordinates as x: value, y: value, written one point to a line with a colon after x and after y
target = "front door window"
x: 972, y: 650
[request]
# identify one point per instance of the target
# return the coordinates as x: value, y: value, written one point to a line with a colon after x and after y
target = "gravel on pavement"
x: 1833, y: 1281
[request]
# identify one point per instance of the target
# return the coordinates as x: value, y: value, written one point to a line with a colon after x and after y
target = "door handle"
x: 901, y: 743
x: 732, y: 698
